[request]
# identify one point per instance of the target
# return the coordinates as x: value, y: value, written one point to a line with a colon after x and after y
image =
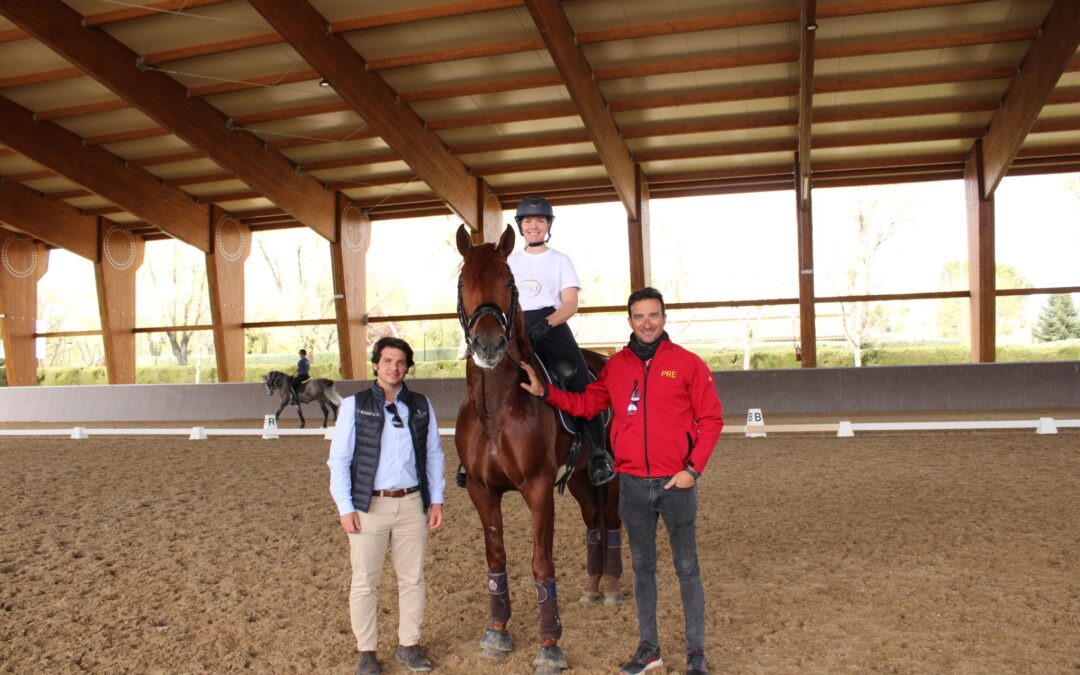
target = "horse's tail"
x: 332, y: 394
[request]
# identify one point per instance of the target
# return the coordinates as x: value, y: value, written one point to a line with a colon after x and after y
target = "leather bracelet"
x: 690, y: 470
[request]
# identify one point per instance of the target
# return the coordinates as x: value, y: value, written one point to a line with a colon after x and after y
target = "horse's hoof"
x: 493, y: 654
x: 589, y: 597
x: 550, y: 659
x: 496, y: 643
x: 612, y: 598
x: 548, y: 670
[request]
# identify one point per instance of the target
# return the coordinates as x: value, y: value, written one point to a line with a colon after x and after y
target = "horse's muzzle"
x: 488, y: 350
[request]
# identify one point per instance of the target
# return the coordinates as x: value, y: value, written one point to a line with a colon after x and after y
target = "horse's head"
x: 487, y: 298
x: 271, y: 382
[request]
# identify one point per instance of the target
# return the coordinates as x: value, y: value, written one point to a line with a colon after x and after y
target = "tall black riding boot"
x: 601, y: 470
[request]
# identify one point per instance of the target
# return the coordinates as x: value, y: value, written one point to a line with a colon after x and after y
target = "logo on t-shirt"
x: 529, y: 288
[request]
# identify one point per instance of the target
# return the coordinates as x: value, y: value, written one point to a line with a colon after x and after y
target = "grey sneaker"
x: 695, y: 662
x: 414, y: 658
x: 368, y: 665
x: 645, y: 658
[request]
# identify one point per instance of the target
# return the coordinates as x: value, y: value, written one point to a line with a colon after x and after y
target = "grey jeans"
x: 641, y: 502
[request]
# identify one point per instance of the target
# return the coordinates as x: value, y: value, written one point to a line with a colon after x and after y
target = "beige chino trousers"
x: 398, y: 524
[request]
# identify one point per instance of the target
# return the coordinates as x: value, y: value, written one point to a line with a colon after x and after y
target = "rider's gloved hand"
x: 538, y: 330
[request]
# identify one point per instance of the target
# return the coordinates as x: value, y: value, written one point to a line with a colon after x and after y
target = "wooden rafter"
x: 376, y: 102
x: 103, y: 173
x: 51, y: 221
x: 165, y: 100
x: 577, y: 75
x: 1042, y: 67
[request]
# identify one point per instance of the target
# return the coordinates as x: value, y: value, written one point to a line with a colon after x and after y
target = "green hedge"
x: 763, y: 358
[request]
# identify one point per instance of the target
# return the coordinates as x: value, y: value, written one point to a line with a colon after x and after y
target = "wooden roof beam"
x: 51, y: 221
x: 164, y: 99
x: 139, y: 192
x: 578, y: 76
x: 1042, y: 67
x: 376, y: 102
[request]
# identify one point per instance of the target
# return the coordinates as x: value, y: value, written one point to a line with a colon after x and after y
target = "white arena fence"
x: 1042, y: 425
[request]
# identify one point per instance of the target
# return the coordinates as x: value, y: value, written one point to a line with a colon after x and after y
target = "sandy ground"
x: 914, y: 552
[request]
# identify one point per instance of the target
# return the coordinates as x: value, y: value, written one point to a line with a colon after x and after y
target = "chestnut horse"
x: 510, y: 440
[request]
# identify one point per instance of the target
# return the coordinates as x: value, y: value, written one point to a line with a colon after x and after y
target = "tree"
x: 180, y: 294
x: 1058, y: 320
x: 955, y: 314
x: 878, y: 214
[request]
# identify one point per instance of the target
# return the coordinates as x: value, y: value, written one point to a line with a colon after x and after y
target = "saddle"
x: 563, y: 372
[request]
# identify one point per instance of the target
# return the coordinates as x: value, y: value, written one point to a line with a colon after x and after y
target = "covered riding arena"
x: 912, y: 546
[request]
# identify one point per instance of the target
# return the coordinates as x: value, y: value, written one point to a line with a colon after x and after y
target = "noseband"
x: 505, y: 320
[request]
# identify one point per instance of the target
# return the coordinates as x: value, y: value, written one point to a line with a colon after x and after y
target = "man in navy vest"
x: 386, y: 477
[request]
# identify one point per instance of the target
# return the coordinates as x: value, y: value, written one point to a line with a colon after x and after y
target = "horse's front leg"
x: 325, y: 412
x: 541, y: 500
x: 284, y: 402
x: 300, y: 412
x: 496, y: 642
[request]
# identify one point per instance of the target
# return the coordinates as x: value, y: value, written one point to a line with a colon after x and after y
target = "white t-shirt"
x: 541, y: 277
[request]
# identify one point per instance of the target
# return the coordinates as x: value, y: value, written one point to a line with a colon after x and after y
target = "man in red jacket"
x: 667, y: 420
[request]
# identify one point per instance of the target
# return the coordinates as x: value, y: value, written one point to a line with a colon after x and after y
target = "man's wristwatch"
x: 690, y: 470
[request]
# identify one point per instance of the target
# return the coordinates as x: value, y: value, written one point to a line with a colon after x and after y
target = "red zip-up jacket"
x: 678, y: 418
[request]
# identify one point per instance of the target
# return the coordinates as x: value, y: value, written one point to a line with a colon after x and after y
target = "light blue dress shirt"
x: 397, y: 466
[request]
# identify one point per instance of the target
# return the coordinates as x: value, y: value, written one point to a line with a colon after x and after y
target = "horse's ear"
x: 464, y: 239
x: 506, y: 241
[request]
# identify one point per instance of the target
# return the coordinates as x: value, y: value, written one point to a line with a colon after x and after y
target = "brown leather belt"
x: 395, y: 493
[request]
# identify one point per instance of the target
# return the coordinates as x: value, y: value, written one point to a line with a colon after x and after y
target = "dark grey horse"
x: 320, y: 389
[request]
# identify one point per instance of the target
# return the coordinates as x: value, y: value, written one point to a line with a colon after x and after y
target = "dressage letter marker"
x: 270, y: 427
x: 755, y: 423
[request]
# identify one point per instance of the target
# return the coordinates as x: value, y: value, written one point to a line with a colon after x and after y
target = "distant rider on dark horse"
x: 548, y: 288
x: 301, y: 376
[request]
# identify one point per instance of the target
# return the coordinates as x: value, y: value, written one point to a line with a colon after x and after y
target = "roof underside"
x: 704, y: 95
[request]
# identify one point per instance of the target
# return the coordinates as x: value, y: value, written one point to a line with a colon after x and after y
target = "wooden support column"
x: 348, y: 257
x: 981, y: 260
x: 807, y: 309
x: 231, y: 242
x: 638, y: 233
x: 120, y: 257
x: 491, y: 214
x: 22, y: 264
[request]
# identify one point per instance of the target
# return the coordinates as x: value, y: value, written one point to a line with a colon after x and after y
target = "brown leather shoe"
x: 414, y: 658
x: 368, y: 665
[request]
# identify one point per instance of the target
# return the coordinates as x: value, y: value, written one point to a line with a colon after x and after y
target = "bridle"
x: 505, y: 319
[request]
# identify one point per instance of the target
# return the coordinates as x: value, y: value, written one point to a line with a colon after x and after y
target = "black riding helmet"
x: 534, y: 205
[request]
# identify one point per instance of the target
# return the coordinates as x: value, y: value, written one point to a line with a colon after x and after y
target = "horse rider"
x: 548, y: 288
x: 301, y: 375
x: 663, y: 440
x: 386, y: 478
